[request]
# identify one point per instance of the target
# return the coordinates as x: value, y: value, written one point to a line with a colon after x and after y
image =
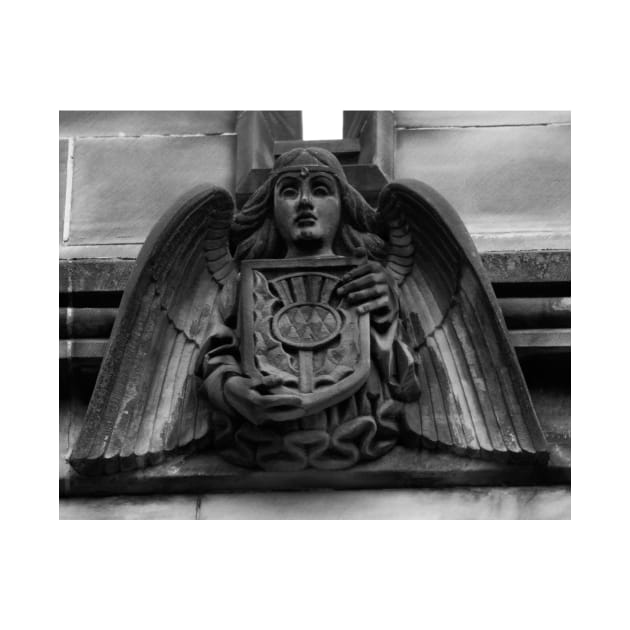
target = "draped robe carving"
x: 356, y: 377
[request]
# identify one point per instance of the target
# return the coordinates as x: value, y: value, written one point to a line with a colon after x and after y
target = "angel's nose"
x: 305, y: 196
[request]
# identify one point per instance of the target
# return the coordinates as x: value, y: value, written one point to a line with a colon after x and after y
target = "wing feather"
x: 445, y: 395
x: 445, y: 434
x: 474, y: 399
x: 474, y: 416
x: 103, y: 428
x: 163, y: 423
x: 489, y: 382
x: 145, y: 403
x: 513, y: 419
x: 165, y: 336
x: 427, y: 415
x: 477, y: 380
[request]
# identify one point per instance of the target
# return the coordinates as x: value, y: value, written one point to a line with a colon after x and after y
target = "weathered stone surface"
x: 130, y: 508
x: 86, y: 274
x: 205, y: 472
x: 63, y: 172
x: 122, y: 186
x: 543, y: 338
x: 108, y: 251
x: 85, y: 322
x: 471, y: 503
x: 147, y: 122
x: 478, y: 118
x: 400, y: 468
x: 528, y: 266
x: 482, y: 503
x: 528, y: 313
x: 509, y: 184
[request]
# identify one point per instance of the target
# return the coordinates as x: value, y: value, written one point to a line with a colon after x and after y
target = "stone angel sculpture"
x: 308, y: 330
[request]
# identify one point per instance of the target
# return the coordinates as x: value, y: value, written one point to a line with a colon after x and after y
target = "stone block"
x: 129, y: 508
x: 77, y: 124
x: 511, y: 185
x: 411, y: 120
x: 473, y: 503
x: 469, y: 503
x: 77, y: 276
x: 121, y: 186
x: 63, y: 174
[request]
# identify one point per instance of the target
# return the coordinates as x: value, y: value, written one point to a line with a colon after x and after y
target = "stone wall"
x: 120, y: 171
x: 507, y: 173
x: 470, y: 503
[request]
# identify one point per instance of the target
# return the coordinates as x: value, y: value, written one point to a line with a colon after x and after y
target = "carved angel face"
x: 307, y: 209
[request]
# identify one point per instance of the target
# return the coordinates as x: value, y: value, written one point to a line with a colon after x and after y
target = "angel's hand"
x: 254, y: 400
x: 373, y: 290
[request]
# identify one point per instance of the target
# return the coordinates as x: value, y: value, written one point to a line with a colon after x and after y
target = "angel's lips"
x: 305, y: 219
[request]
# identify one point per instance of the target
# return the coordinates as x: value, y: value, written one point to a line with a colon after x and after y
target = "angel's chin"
x: 308, y: 235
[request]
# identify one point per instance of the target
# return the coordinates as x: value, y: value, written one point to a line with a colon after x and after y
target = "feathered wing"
x: 146, y: 403
x: 474, y: 398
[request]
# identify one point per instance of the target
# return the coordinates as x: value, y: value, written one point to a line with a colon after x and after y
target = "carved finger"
x: 361, y: 283
x: 379, y: 290
x: 357, y: 272
x: 267, y: 382
x: 374, y: 305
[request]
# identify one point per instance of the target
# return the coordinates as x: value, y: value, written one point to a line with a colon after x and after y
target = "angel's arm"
x: 220, y: 362
x: 233, y: 393
x: 371, y: 289
x: 230, y: 391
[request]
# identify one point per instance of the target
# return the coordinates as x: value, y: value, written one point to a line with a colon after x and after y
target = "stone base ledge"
x: 401, y: 468
x: 456, y: 503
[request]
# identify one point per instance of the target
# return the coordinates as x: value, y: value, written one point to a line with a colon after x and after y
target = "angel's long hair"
x: 254, y: 234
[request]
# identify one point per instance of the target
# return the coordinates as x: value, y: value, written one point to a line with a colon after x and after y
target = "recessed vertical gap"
x: 68, y: 200
x: 322, y: 124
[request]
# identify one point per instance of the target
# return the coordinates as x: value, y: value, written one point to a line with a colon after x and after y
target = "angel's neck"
x: 310, y: 249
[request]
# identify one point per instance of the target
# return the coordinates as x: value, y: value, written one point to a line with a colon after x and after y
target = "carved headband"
x: 305, y: 171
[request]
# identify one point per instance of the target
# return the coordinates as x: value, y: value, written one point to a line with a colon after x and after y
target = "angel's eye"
x: 289, y: 192
x: 321, y: 191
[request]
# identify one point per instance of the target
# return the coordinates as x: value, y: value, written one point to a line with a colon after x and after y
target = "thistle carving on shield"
x: 302, y: 330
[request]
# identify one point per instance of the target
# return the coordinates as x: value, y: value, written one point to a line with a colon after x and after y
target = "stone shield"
x: 294, y: 325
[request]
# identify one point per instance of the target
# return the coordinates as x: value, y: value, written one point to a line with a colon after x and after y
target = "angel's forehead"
x: 305, y: 174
